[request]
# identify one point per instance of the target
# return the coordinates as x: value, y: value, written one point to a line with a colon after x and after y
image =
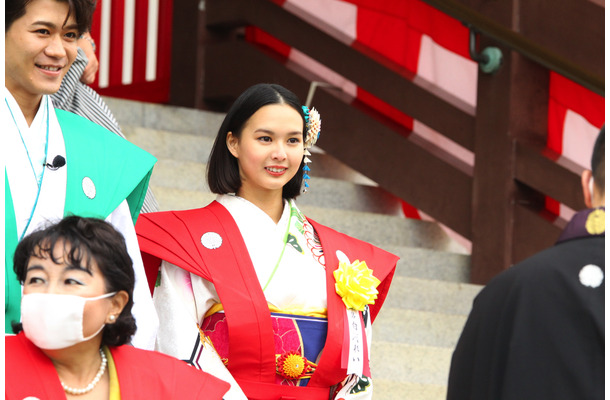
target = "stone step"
x: 181, y: 175
x: 178, y: 199
x: 384, y: 230
x: 164, y: 117
x: 398, y: 362
x: 431, y: 264
x: 417, y: 328
x: 412, y: 353
x: 431, y: 295
x: 171, y: 145
x: 346, y: 195
x: 389, y: 390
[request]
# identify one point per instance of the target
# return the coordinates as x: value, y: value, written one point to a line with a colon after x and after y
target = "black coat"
x: 536, y: 331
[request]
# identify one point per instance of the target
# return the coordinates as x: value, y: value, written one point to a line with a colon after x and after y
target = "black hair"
x: 223, y: 170
x: 85, y: 240
x: 598, y: 160
x: 81, y: 9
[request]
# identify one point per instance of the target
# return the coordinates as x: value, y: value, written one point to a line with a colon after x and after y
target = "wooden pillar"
x: 511, y: 104
x: 188, y: 36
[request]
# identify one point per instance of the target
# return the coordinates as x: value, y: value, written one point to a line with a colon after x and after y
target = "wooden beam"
x: 511, y: 106
x: 187, y: 53
x: 541, y: 170
x: 225, y: 81
x: 396, y: 163
x: 526, y: 28
x: 537, y: 230
x: 574, y: 30
x: 373, y: 73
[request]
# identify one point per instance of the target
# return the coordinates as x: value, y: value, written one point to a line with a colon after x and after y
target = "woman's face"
x: 44, y: 276
x: 269, y: 151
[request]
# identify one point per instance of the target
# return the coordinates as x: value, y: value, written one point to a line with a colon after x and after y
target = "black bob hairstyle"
x: 85, y: 240
x: 223, y: 170
x: 81, y: 9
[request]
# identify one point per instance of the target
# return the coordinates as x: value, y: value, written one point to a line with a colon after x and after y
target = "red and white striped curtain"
x: 133, y: 40
x: 575, y: 118
x: 434, y: 46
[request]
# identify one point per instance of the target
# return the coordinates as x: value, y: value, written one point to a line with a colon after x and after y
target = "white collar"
x: 246, y: 213
x: 34, y: 136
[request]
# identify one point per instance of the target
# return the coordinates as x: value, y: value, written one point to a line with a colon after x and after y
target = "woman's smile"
x: 276, y: 171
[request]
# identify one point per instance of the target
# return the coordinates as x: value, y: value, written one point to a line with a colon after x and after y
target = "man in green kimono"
x: 58, y: 163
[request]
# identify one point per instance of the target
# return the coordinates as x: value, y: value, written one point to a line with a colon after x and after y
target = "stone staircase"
x: 427, y: 305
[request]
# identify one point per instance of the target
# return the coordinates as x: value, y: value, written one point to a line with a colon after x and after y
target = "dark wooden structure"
x: 498, y: 205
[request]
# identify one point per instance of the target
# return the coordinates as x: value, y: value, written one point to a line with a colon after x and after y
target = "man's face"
x: 39, y: 48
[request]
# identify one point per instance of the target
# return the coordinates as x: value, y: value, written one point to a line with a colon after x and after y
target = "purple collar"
x: 586, y: 223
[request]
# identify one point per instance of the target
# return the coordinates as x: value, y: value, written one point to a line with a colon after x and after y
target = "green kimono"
x: 120, y: 170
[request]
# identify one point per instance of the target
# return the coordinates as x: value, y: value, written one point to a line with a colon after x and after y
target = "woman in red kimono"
x: 285, y: 303
x: 76, y: 322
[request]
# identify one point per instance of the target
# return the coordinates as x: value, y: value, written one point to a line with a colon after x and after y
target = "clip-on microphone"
x: 58, y: 162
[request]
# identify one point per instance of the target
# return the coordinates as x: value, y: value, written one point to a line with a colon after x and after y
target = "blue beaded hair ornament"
x: 313, y: 124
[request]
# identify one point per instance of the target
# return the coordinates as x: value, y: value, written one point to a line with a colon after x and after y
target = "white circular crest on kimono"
x: 211, y: 240
x: 89, y: 187
x: 31, y: 398
x: 591, y: 276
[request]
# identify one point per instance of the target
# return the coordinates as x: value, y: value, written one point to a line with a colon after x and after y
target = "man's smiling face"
x: 40, y: 46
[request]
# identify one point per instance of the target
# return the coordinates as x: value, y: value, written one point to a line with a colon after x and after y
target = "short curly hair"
x: 85, y: 240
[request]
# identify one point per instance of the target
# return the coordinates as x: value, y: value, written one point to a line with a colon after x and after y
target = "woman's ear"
x: 232, y: 143
x: 118, y: 302
x: 586, y: 181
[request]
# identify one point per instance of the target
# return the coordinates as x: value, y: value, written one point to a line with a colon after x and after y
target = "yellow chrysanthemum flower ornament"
x: 356, y: 284
x: 292, y: 365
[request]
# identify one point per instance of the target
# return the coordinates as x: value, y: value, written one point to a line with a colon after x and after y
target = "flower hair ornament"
x: 313, y: 124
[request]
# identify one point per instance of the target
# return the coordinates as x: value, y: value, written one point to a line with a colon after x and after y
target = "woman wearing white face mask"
x: 76, y: 319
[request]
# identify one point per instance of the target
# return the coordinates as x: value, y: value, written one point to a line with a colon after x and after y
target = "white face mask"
x: 55, y: 321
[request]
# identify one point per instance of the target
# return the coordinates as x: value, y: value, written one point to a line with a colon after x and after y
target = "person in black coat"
x: 536, y: 330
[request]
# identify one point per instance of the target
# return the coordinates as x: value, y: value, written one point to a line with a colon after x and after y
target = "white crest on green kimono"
x: 89, y: 187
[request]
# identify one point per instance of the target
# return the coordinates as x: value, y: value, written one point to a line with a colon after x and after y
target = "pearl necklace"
x: 94, y: 382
